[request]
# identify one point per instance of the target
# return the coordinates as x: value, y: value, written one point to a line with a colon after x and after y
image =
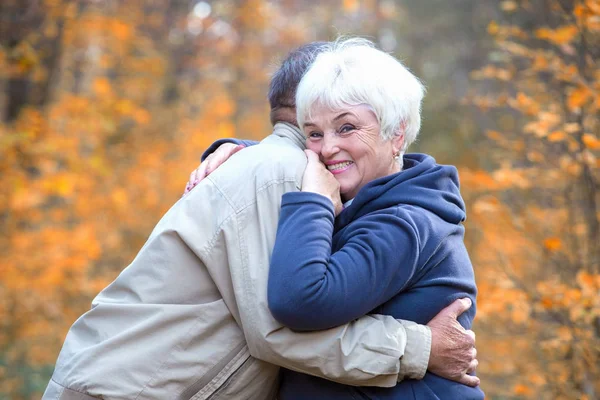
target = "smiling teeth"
x: 339, y: 166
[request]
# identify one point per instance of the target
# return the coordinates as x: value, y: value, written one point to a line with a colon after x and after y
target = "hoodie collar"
x: 422, y: 183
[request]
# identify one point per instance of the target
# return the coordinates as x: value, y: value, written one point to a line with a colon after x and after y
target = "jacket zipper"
x: 192, y: 390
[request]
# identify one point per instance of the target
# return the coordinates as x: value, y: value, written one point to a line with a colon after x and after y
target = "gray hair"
x: 282, y: 89
x: 352, y: 72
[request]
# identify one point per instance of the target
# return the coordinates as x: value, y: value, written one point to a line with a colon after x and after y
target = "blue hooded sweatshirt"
x: 398, y: 250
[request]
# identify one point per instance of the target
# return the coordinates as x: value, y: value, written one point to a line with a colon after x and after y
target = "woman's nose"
x: 330, y: 146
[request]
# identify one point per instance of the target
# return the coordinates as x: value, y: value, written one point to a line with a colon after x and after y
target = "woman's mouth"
x: 337, y: 167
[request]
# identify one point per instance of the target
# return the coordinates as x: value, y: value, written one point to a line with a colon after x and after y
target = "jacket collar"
x: 291, y: 132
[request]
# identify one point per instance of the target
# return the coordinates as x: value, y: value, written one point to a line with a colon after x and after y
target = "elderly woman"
x: 397, y: 247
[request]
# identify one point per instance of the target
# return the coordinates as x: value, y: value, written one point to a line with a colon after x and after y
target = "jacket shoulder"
x: 266, y: 165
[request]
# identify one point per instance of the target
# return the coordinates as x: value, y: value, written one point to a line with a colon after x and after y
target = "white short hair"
x: 353, y: 72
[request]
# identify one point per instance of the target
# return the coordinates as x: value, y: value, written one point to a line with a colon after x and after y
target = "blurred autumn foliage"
x: 105, y: 107
x: 534, y: 233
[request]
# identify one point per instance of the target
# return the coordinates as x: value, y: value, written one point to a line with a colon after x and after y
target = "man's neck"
x: 284, y: 114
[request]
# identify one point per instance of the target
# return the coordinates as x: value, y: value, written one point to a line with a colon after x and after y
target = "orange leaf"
x: 578, y: 98
x: 101, y: 87
x: 547, y: 303
x: 559, y: 36
x: 535, y: 156
x: 557, y: 136
x: 522, y: 390
x: 590, y: 141
x: 350, y: 6
x: 493, y: 28
x: 587, y: 280
x: 553, y: 243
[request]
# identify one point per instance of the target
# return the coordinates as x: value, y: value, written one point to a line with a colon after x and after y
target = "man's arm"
x: 373, y: 350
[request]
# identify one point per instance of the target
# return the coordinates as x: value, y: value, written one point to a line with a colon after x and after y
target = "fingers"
x: 237, y: 148
x: 193, y: 181
x: 472, y: 366
x: 311, y: 156
x: 212, y: 162
x: 196, y: 176
x: 222, y: 154
x: 471, y: 335
x: 201, y: 171
x: 469, y: 380
x: 338, y: 207
x: 193, y: 176
x: 458, y: 307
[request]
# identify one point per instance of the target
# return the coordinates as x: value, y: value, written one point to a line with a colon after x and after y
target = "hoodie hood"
x: 422, y: 183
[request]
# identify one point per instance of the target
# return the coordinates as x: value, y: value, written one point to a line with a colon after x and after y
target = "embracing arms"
x: 339, y: 353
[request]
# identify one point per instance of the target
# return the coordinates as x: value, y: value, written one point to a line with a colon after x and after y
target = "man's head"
x: 282, y: 90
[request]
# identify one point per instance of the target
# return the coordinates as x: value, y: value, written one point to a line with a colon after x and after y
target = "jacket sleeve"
x: 374, y: 350
x: 213, y: 147
x: 311, y: 287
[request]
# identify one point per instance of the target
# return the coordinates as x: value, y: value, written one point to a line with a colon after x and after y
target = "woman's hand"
x: 318, y: 180
x: 212, y: 162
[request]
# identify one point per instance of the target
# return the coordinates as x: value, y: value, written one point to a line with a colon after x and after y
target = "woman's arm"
x: 311, y: 288
x: 213, y: 157
x: 213, y: 147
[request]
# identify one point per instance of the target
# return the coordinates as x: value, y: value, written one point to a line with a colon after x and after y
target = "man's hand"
x: 318, y: 179
x: 212, y: 162
x: 452, y: 347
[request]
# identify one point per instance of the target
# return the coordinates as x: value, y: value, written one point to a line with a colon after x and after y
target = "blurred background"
x: 107, y: 105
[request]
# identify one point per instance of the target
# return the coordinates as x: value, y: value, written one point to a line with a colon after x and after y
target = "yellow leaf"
x: 487, y: 204
x: 571, y: 127
x: 564, y: 333
x: 493, y: 28
x: 494, y: 135
x: 536, y: 378
x: 508, y: 6
x: 50, y: 30
x: 535, y: 156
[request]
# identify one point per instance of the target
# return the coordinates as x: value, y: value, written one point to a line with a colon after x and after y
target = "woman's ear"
x: 399, y: 138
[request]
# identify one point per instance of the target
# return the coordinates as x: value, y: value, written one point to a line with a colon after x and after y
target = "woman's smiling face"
x: 348, y: 142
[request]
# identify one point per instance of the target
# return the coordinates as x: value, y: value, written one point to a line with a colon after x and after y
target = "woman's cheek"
x: 310, y: 145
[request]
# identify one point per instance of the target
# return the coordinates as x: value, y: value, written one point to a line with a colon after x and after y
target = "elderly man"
x: 188, y: 318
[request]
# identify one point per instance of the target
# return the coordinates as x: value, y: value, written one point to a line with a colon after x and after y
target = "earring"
x: 396, y: 155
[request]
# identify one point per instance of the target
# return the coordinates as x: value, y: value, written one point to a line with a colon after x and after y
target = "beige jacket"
x: 188, y: 318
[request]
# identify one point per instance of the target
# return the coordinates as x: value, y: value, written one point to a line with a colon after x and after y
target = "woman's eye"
x: 346, y: 128
x: 314, y: 135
